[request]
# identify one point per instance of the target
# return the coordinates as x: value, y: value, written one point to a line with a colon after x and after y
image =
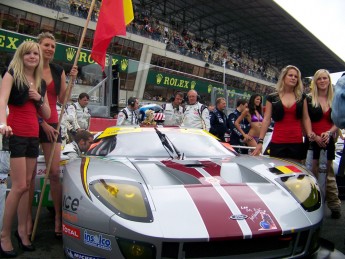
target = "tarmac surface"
x: 47, y: 246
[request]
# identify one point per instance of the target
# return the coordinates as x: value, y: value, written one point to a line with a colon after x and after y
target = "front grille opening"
x: 302, y: 241
x: 281, y: 246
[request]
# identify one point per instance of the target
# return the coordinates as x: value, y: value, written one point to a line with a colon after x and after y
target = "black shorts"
x: 43, y: 135
x: 23, y: 146
x: 330, y: 148
x: 294, y: 151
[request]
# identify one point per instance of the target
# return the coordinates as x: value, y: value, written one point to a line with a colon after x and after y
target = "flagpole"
x: 67, y: 97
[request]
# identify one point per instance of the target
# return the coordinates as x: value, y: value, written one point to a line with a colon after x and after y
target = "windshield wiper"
x: 168, y: 145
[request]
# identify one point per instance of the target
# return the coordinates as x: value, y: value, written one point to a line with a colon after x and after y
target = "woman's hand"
x: 5, y: 130
x: 74, y: 72
x: 320, y: 142
x: 34, y: 95
x: 257, y: 150
x: 247, y: 138
x: 50, y: 131
x: 325, y: 136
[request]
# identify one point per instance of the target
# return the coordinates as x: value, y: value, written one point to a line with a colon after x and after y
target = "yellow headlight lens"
x: 304, y: 189
x: 126, y: 198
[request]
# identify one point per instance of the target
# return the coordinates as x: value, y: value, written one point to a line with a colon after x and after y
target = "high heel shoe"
x: 7, y: 254
x: 28, y: 248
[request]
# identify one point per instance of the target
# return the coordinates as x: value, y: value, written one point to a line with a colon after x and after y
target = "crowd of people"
x: 178, y: 40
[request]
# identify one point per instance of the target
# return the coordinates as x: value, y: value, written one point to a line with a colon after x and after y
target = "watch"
x: 2, y: 125
x: 40, y: 102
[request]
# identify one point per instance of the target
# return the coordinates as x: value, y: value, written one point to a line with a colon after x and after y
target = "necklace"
x: 30, y: 83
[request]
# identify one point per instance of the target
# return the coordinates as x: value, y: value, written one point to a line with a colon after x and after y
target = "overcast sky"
x: 324, y: 18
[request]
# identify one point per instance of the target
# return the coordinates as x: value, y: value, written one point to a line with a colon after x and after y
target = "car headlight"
x: 136, y: 249
x: 304, y: 189
x: 126, y: 198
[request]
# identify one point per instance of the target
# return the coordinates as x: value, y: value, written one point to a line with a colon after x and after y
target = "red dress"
x: 288, y: 130
x: 324, y: 124
x: 23, y: 119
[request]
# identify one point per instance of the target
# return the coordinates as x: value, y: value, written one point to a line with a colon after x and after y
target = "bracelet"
x: 260, y: 141
x: 2, y: 125
x: 40, y: 102
x: 40, y: 120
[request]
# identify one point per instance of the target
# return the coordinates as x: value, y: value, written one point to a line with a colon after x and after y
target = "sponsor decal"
x: 69, y: 217
x: 71, y: 231
x: 266, y: 222
x: 76, y: 255
x: 238, y: 217
x: 260, y: 218
x: 97, y: 241
x: 288, y: 169
x: 41, y: 170
x: 70, y: 204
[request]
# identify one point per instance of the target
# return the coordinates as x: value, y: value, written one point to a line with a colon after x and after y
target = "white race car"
x: 179, y: 193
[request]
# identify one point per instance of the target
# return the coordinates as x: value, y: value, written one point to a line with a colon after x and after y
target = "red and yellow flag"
x: 113, y: 17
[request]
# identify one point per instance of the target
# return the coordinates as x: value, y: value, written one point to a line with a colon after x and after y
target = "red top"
x: 324, y: 124
x: 23, y: 119
x: 288, y: 130
x: 52, y: 98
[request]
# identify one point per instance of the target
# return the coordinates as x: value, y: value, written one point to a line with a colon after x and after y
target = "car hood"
x: 211, y: 198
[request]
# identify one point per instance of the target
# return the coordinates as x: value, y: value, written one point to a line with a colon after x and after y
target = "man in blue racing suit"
x: 218, y: 120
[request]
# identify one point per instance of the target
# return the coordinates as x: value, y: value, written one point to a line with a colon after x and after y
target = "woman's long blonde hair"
x: 298, y: 90
x: 315, y: 91
x: 17, y: 65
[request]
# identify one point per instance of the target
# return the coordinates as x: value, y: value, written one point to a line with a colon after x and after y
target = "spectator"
x: 128, y: 115
x: 173, y: 111
x: 196, y: 115
x: 73, y: 8
x: 288, y: 108
x: 219, y: 120
x: 319, y: 108
x: 236, y: 137
x: 24, y: 91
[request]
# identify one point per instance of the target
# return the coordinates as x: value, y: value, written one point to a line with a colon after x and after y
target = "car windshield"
x: 146, y: 143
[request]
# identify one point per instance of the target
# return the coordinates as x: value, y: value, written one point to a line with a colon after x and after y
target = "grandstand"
x: 243, y: 44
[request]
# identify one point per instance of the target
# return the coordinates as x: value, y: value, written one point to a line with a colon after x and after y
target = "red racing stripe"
x: 214, y: 212
x: 181, y: 167
x: 211, y: 168
x: 260, y: 219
